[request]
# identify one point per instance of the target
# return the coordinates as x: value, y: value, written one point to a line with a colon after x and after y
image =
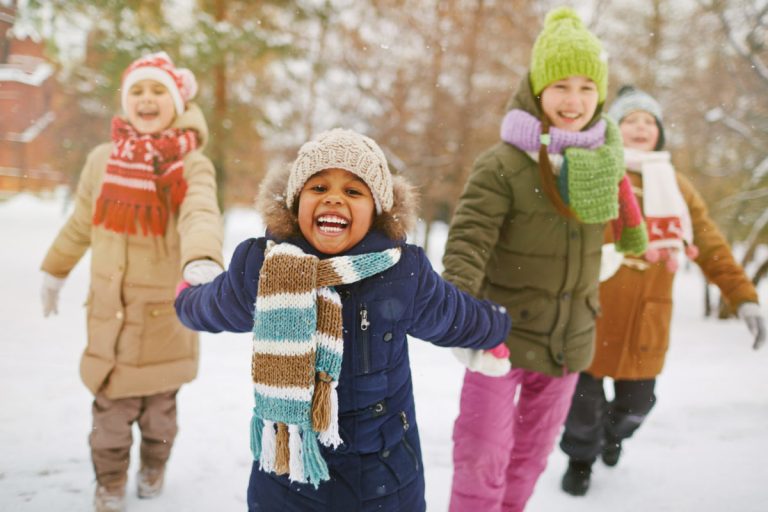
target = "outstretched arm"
x: 226, y: 303
x: 449, y: 317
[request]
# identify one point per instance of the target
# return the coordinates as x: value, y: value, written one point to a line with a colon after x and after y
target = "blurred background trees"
x: 428, y: 79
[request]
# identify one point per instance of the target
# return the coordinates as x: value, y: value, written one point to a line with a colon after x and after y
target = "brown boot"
x: 109, y: 498
x: 150, y: 481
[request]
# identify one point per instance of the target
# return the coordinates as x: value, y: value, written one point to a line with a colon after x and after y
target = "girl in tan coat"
x: 633, y: 330
x: 146, y: 206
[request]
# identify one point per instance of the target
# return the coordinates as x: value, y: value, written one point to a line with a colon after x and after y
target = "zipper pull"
x: 364, y: 323
x: 404, y: 417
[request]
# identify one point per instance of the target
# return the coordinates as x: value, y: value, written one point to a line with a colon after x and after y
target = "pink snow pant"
x: 501, y: 447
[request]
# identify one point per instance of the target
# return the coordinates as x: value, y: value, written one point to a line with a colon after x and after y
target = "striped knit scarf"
x: 298, y: 346
x: 144, y: 173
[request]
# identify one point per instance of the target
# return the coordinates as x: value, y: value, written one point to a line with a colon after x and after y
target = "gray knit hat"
x: 629, y: 99
x: 348, y: 150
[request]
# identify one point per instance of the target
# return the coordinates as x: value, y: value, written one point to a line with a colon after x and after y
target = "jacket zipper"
x: 363, y: 336
x: 406, y: 444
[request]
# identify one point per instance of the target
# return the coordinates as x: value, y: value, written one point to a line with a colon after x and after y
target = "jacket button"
x: 566, y: 296
x: 119, y: 315
x: 560, y: 357
x: 155, y: 312
x: 385, y: 454
x: 387, y: 336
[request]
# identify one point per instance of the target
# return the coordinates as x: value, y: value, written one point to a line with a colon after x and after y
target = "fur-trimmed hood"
x: 282, y: 222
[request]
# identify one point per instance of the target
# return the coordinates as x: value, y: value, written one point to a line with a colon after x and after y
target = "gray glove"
x: 49, y: 293
x: 750, y: 313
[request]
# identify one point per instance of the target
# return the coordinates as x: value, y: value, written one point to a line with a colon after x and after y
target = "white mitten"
x: 201, y: 271
x: 49, y: 293
x: 482, y: 361
x: 610, y: 262
x: 750, y: 313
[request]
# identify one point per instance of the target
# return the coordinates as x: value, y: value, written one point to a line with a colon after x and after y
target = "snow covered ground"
x: 704, y: 447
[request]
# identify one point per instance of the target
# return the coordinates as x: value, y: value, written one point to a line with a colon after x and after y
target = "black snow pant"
x: 593, y: 421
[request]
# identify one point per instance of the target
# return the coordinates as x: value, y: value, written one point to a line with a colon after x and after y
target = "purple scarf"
x: 523, y: 131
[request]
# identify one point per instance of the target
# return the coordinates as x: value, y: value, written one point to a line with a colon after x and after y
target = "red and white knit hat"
x: 159, y: 67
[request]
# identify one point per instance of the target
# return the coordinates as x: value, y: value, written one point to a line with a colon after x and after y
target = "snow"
x: 704, y: 447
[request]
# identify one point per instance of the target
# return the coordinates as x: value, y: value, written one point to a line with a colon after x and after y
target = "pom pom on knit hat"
x: 629, y: 99
x: 180, y: 82
x: 565, y: 47
x: 348, y: 150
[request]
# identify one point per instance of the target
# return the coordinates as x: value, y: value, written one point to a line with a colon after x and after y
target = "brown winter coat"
x: 633, y: 331
x: 136, y: 345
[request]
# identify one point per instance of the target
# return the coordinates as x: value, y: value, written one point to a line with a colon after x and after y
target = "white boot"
x: 109, y: 499
x: 150, y: 483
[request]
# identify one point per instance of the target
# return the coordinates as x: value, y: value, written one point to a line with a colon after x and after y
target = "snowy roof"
x: 15, y: 74
x: 22, y: 32
x: 33, y: 131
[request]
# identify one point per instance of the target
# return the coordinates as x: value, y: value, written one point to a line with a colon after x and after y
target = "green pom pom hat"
x: 565, y: 47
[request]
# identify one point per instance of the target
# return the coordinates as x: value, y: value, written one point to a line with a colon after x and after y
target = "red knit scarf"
x: 144, y: 178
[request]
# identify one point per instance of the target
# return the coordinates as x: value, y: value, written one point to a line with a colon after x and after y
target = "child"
x: 146, y: 206
x: 331, y: 293
x: 633, y: 331
x: 527, y: 233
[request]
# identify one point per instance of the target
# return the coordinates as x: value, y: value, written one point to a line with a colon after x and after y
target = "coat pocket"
x: 163, y: 338
x: 653, y: 335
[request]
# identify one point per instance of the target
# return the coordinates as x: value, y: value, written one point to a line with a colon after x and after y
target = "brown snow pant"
x: 111, y: 438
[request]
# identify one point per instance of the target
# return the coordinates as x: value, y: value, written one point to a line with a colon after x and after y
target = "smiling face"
x: 149, y: 107
x: 336, y: 210
x: 570, y: 103
x: 639, y: 130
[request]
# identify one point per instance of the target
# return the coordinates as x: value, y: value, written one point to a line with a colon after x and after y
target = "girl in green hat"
x: 527, y: 234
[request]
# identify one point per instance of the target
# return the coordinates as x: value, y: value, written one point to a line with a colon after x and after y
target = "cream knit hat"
x: 348, y: 150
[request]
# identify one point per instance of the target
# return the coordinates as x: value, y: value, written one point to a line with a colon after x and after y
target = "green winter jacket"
x: 507, y: 243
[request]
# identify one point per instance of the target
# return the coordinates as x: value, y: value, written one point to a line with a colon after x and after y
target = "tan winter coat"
x: 136, y: 345
x: 633, y: 330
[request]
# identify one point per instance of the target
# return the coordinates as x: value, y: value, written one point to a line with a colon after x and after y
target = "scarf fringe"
x: 122, y: 217
x: 282, y: 453
x: 315, y: 468
x: 330, y: 436
x: 321, y: 402
x: 268, y: 447
x: 295, y: 463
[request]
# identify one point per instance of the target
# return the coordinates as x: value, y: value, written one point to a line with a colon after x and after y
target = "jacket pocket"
x: 163, y: 338
x: 376, y: 333
x: 653, y: 335
x: 531, y: 312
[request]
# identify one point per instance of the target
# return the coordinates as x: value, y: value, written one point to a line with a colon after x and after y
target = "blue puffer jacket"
x: 379, y: 466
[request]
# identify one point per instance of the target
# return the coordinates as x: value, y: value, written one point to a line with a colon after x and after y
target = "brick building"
x: 27, y: 145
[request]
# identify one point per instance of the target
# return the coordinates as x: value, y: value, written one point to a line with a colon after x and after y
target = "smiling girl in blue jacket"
x: 330, y: 294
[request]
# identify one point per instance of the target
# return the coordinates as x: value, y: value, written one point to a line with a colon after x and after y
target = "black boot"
x: 576, y: 478
x: 611, y: 452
